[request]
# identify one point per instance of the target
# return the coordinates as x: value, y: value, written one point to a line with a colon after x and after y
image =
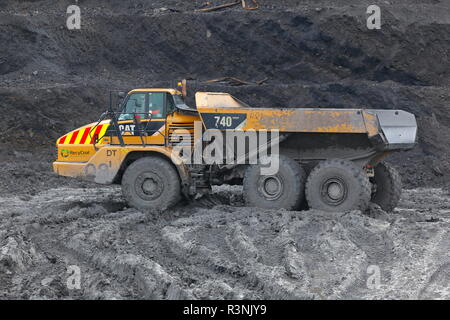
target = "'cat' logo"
x: 127, y: 129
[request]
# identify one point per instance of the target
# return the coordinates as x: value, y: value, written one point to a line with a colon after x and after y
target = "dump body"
x: 388, y: 129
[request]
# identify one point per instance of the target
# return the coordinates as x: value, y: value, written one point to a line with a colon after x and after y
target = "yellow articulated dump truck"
x: 160, y: 150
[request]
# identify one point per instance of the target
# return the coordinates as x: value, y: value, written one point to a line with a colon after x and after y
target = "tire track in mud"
x: 220, y: 251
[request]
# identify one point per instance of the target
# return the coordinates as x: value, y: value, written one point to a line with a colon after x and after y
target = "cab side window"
x: 156, y: 104
x: 135, y: 104
x: 148, y: 105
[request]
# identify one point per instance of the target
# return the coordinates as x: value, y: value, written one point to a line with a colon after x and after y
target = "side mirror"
x: 120, y: 95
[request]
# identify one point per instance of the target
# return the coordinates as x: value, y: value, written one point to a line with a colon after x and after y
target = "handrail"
x: 141, y: 129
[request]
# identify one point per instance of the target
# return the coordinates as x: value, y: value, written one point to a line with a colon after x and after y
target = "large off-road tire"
x: 387, y: 187
x: 151, y: 184
x: 338, y: 185
x: 283, y: 190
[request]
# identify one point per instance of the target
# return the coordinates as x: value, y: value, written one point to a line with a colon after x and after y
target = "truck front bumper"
x: 70, y: 169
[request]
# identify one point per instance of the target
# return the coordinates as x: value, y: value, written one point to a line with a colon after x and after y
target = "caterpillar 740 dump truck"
x: 329, y: 159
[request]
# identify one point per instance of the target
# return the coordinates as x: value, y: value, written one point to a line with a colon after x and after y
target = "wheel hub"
x: 334, y: 191
x: 271, y: 187
x: 149, y: 186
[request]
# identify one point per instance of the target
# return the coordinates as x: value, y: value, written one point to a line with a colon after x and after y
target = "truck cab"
x: 143, y: 124
x: 145, y: 117
x: 148, y: 116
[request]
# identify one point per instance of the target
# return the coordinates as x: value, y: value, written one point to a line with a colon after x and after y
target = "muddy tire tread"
x: 168, y: 199
x: 363, y: 183
x: 297, y: 189
x: 393, y: 185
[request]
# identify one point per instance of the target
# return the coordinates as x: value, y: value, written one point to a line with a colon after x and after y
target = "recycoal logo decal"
x: 69, y: 153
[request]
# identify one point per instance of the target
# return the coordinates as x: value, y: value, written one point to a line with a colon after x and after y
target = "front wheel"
x: 338, y: 185
x: 151, y: 183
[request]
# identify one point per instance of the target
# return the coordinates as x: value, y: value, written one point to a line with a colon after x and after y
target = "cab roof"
x: 171, y: 91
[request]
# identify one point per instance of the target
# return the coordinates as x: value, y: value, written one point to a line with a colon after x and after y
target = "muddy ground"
x: 313, y: 53
x: 216, y: 249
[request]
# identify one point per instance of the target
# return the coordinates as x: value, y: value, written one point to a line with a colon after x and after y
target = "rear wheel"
x: 285, y: 189
x: 151, y: 183
x: 338, y: 185
x: 387, y: 187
